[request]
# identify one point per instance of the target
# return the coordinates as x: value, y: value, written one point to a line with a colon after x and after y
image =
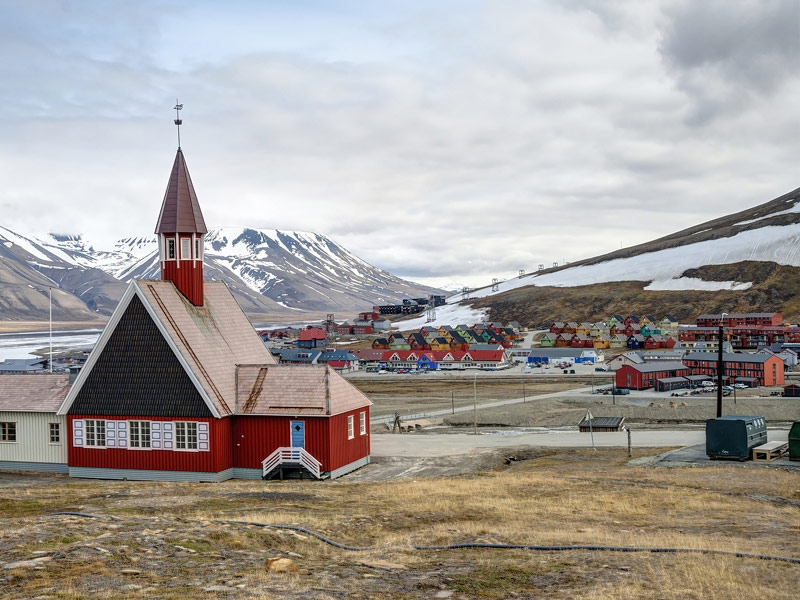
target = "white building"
x: 32, y: 436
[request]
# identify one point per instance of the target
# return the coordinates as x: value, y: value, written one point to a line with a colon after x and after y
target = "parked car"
x: 727, y: 388
x: 739, y: 386
x: 707, y: 383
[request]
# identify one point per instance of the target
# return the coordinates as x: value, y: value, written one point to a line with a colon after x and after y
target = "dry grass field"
x: 170, y: 540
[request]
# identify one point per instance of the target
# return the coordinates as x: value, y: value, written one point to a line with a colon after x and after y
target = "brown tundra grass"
x: 562, y: 497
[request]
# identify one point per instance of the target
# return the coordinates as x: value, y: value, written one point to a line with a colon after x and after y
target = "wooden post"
x: 628, y: 429
x: 452, y: 402
x: 523, y: 392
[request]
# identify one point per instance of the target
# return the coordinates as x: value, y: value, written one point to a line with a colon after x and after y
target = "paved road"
x: 481, y: 405
x: 431, y: 444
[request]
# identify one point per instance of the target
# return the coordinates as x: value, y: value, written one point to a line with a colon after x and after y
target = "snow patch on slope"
x: 778, y: 244
x: 692, y: 283
x: 449, y: 314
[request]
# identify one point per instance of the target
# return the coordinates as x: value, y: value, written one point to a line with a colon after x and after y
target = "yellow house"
x: 440, y: 343
x: 584, y: 328
x: 445, y: 333
x: 602, y: 341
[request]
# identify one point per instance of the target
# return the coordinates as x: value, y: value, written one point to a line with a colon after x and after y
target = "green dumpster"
x: 794, y: 441
x: 734, y: 436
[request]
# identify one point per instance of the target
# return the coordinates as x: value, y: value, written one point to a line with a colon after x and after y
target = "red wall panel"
x: 217, y: 459
x: 343, y: 451
x: 256, y: 437
x: 188, y: 278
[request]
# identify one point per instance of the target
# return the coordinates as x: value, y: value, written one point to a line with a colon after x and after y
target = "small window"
x: 8, y: 431
x: 186, y: 436
x: 186, y: 249
x: 55, y: 433
x: 350, y: 434
x: 95, y: 433
x: 362, y: 421
x: 140, y: 434
x: 170, y: 249
x: 197, y: 254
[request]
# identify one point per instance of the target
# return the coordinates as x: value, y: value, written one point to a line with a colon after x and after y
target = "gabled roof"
x: 315, y: 333
x: 180, y: 211
x: 33, y: 393
x: 457, y: 338
x: 209, y: 340
x: 367, y: 355
x: 418, y: 338
x: 295, y: 390
x: 22, y: 364
x: 301, y: 355
x: 335, y: 355
x: 652, y: 367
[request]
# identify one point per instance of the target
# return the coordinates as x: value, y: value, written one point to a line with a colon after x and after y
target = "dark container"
x: 794, y: 441
x: 734, y: 436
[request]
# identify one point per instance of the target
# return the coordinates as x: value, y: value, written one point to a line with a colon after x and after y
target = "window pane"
x: 55, y: 433
x: 186, y: 249
x: 171, y: 249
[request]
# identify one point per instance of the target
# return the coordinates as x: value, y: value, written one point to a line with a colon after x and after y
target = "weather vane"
x: 178, y: 121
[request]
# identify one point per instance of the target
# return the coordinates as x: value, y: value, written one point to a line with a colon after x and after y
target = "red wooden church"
x: 181, y: 387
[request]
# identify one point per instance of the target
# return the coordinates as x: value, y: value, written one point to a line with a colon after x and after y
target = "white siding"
x: 33, y: 438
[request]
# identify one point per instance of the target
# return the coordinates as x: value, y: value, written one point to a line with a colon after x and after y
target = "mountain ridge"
x: 744, y: 261
x: 273, y: 274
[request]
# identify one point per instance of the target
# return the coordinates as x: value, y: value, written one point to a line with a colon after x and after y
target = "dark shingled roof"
x: 602, y: 422
x: 180, y: 211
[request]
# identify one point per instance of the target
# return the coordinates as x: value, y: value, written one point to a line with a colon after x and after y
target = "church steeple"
x: 181, y: 230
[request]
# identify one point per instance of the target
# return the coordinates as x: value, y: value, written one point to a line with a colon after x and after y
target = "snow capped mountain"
x: 766, y: 233
x: 271, y: 272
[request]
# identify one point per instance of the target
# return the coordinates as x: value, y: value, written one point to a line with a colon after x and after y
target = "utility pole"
x: 475, y: 403
x: 523, y: 392
x: 50, y: 297
x: 720, y: 368
x: 452, y: 402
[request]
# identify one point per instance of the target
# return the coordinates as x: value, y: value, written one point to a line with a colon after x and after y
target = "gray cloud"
x: 728, y: 55
x: 511, y: 135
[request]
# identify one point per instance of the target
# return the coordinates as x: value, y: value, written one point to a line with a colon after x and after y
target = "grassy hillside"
x: 776, y: 288
x: 186, y: 540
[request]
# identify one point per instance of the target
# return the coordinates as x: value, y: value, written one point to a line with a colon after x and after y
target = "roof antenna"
x: 178, y: 121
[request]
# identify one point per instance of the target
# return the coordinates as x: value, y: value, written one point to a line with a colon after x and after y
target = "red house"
x: 313, y: 337
x: 643, y: 376
x: 180, y: 387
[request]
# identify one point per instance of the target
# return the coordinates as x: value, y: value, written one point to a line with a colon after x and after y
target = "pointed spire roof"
x: 180, y: 211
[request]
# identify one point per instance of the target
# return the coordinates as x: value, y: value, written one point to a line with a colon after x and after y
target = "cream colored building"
x: 32, y: 436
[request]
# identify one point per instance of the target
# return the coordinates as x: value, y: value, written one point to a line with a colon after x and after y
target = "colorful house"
x: 602, y: 341
x: 645, y: 375
x: 314, y: 337
x: 548, y: 340
x: 179, y: 386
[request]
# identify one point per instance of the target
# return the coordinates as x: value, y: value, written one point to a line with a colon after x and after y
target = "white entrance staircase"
x: 292, y: 458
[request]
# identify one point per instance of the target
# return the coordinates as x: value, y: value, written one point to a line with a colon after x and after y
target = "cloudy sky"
x: 446, y: 142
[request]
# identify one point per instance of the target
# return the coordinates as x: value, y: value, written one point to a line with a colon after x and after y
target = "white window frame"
x: 136, y: 435
x: 170, y: 249
x: 350, y: 429
x: 90, y: 440
x: 55, y: 427
x: 6, y: 430
x: 186, y: 248
x: 198, y: 248
x: 183, y: 436
x: 362, y: 422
